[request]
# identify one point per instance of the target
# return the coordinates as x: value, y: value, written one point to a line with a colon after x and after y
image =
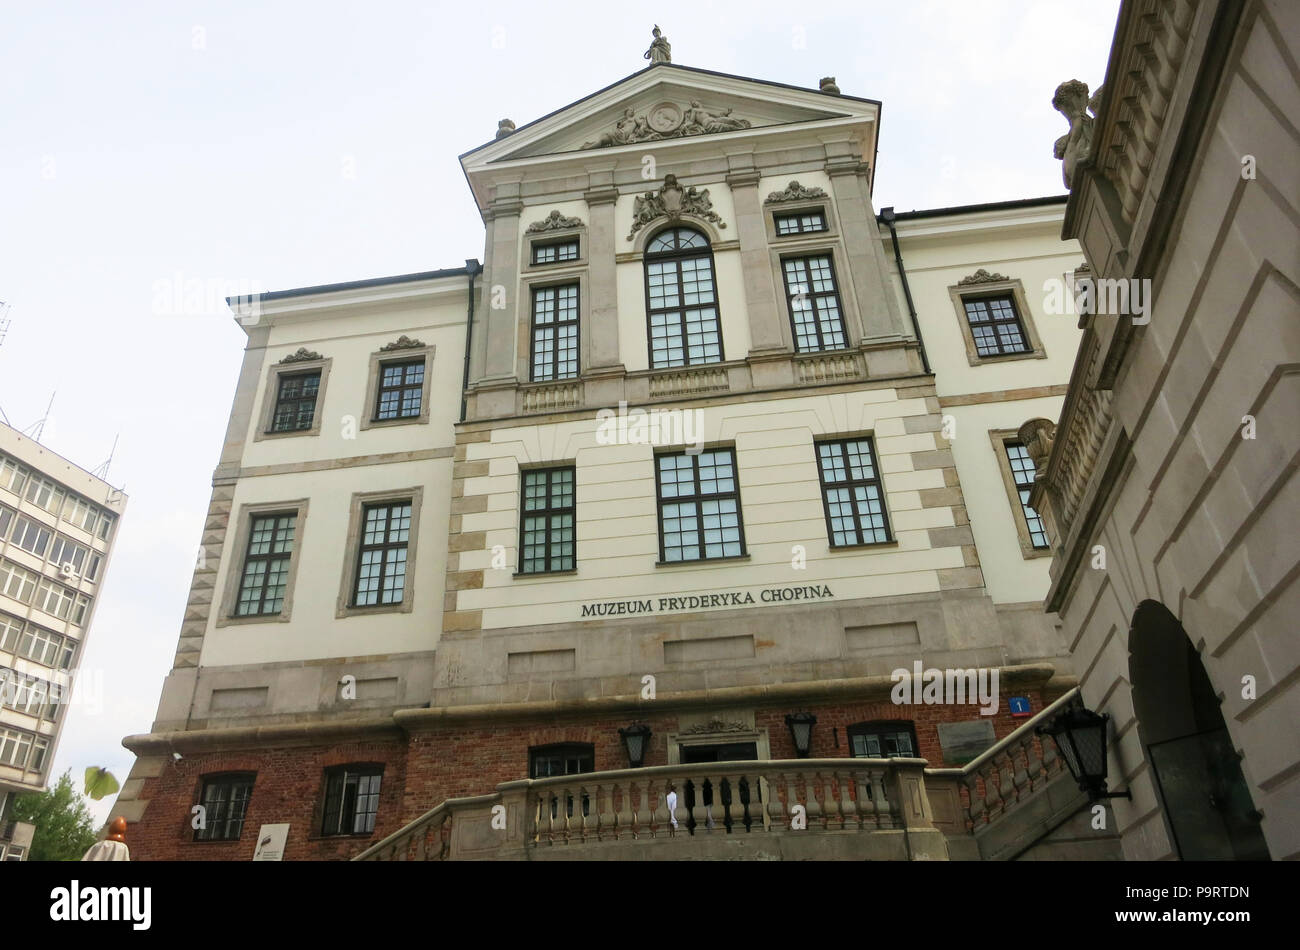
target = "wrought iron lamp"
x: 1080, y: 734
x: 801, y: 727
x: 636, y: 739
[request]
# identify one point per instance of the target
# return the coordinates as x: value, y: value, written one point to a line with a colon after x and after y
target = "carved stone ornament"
x: 828, y: 86
x: 794, y: 192
x: 1072, y: 101
x: 554, y: 222
x: 303, y: 355
x: 715, y: 725
x: 671, y: 202
x: 505, y: 127
x: 403, y: 342
x: 981, y: 276
x: 1038, y: 436
x: 667, y: 120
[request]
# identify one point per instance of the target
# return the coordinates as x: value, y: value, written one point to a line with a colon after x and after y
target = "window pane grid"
x: 1022, y: 471
x: 381, y: 563
x: 266, y: 565
x: 852, y: 493
x: 801, y: 223
x: 555, y: 253
x: 699, y: 506
x: 814, y: 304
x: 995, y: 326
x: 547, y: 536
x: 225, y: 802
x: 555, y: 333
x: 682, y: 301
x: 401, y: 390
x: 295, y: 404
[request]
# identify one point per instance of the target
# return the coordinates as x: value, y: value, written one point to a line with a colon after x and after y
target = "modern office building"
x: 57, y: 525
x: 704, y: 451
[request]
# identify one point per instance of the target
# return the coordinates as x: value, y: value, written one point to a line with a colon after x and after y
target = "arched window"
x: 681, y: 300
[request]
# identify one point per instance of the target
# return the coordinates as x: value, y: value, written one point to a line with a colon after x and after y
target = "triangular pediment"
x: 665, y: 104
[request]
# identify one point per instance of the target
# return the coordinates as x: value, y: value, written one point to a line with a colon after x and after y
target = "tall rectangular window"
x: 7, y: 516
x: 381, y: 567
x: 814, y: 302
x: 699, y: 506
x: 851, y: 493
x: 1022, y: 470
x: 266, y: 565
x: 225, y: 802
x: 401, y: 390
x: 546, y: 532
x: 351, y: 800
x: 995, y: 325
x: 295, y: 402
x: 555, y: 332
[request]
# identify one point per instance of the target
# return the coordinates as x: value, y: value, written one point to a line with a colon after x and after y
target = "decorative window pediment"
x: 671, y: 202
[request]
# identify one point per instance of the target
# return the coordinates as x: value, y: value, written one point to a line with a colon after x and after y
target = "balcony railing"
x: 780, y: 806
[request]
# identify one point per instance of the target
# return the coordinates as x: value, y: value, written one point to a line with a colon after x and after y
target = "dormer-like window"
x: 681, y: 300
x: 556, y: 252
x: 802, y: 222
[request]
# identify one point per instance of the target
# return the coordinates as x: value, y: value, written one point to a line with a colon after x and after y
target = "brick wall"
x: 451, y: 762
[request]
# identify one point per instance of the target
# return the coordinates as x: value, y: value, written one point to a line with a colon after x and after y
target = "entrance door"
x: 722, y: 752
x: 1198, y: 775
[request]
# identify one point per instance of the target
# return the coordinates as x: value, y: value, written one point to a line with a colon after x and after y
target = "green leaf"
x: 100, y: 782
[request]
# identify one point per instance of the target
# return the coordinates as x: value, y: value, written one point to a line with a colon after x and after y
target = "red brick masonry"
x: 425, y: 768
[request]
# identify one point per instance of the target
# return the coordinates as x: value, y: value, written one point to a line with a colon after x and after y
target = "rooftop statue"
x: 660, y: 51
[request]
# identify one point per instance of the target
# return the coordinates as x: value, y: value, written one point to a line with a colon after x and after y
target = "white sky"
x: 257, y: 146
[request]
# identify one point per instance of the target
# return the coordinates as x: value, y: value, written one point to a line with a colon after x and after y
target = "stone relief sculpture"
x: 660, y: 50
x: 794, y: 192
x: 403, y: 342
x: 672, y: 201
x: 302, y: 356
x: 554, y: 222
x: 981, y: 276
x: 667, y: 120
x: 1072, y: 101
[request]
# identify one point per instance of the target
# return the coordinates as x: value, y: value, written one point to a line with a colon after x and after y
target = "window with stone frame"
x: 811, y: 291
x: 1023, y: 472
x: 267, y: 560
x: 295, y: 402
x: 381, y: 561
x: 555, y: 332
x: 699, y: 506
x: 400, y: 390
x: 547, y: 541
x: 681, y: 300
x: 853, y: 496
